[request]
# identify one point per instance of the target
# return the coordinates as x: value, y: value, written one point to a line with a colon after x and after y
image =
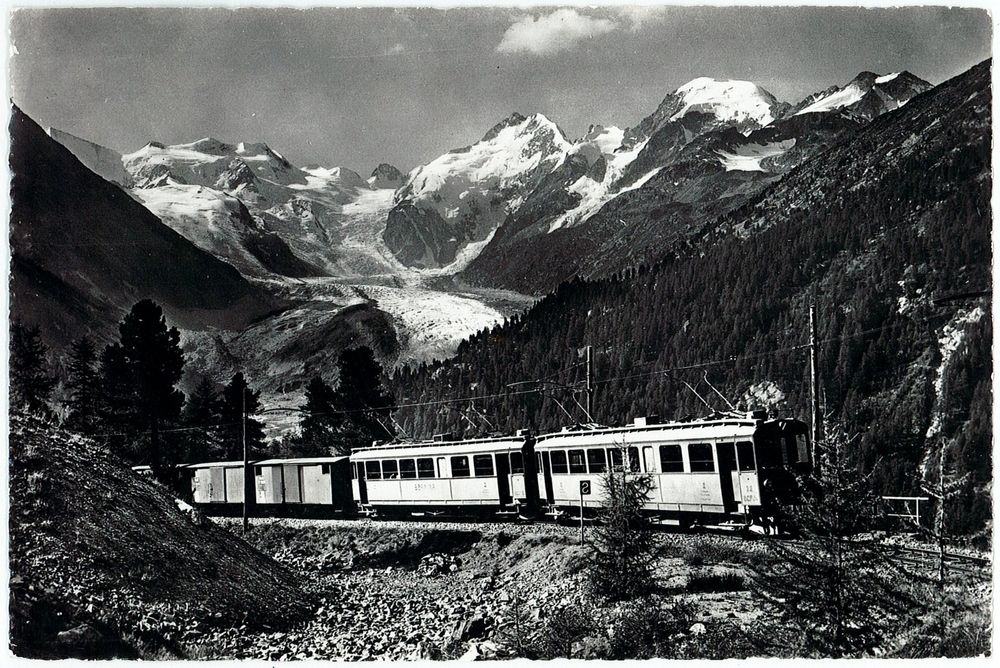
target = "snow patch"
x: 844, y: 97
x: 747, y: 157
x: 886, y: 78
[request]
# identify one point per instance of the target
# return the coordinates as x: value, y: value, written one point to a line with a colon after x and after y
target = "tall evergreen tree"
x: 239, y: 402
x: 31, y: 382
x: 82, y: 385
x: 150, y: 361
x: 363, y: 399
x: 202, y: 414
x: 321, y: 422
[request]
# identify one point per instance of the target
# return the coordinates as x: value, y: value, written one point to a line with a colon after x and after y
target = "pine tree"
x: 203, y: 416
x: 82, y: 385
x: 623, y: 541
x: 153, y: 364
x: 836, y: 585
x: 363, y: 400
x: 31, y: 383
x: 321, y: 422
x: 239, y: 402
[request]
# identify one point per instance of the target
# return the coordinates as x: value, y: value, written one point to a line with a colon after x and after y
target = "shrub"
x: 715, y: 582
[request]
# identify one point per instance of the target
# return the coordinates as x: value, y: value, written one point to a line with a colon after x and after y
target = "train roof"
x: 302, y: 460
x: 205, y: 465
x: 430, y: 448
x: 644, y: 432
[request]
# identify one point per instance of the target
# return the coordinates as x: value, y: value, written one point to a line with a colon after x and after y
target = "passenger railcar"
x: 729, y: 470
x: 444, y: 476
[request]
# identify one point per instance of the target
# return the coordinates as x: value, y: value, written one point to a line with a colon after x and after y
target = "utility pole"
x: 246, y: 461
x: 590, y: 383
x: 817, y: 417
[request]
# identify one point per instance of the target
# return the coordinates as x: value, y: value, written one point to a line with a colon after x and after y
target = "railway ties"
x: 930, y: 560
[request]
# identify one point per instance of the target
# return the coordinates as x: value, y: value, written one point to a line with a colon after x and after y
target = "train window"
x: 671, y: 460
x: 258, y: 470
x: 744, y: 452
x: 482, y: 465
x: 701, y: 457
x: 633, y: 459
x: 615, y: 455
x: 558, y: 458
x: 390, y: 469
x: 407, y: 469
x: 425, y: 467
x: 516, y: 463
x: 372, y: 471
x: 577, y: 463
x: 460, y: 467
x: 538, y: 460
x: 354, y: 471
x: 597, y: 460
x: 325, y: 469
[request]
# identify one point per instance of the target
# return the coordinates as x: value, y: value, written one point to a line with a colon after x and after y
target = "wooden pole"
x: 246, y: 461
x: 590, y: 383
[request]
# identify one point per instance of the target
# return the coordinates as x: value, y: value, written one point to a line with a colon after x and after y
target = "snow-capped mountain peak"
x: 728, y: 100
x: 867, y: 95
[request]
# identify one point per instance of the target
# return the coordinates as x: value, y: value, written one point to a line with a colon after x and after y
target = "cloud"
x: 395, y: 49
x: 636, y: 17
x: 551, y: 33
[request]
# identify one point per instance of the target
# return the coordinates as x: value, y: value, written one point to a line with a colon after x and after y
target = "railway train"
x: 732, y: 470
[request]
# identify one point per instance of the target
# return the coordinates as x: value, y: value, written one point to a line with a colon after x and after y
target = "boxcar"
x: 216, y: 486
x: 706, y: 471
x: 477, y: 476
x: 304, y: 485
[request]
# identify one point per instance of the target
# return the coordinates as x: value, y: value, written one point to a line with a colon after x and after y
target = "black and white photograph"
x: 489, y: 332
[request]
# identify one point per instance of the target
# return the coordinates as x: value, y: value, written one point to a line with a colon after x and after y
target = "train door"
x: 359, y: 471
x: 292, y: 484
x: 727, y: 464
x: 546, y: 471
x: 503, y: 478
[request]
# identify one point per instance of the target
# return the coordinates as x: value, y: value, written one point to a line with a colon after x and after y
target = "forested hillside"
x: 874, y: 230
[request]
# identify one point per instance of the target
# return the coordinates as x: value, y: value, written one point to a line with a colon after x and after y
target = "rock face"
x: 103, y: 161
x: 461, y: 197
x: 386, y: 176
x: 420, y: 237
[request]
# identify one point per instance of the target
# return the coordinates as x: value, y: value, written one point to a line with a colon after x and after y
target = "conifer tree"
x: 362, y: 399
x: 31, y: 382
x: 203, y: 416
x: 319, y: 426
x: 150, y: 358
x: 623, y: 542
x: 239, y: 403
x: 82, y: 385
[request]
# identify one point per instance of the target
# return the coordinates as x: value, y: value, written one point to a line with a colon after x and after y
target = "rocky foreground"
x: 396, y: 590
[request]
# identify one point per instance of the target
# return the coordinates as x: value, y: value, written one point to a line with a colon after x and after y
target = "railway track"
x: 930, y: 560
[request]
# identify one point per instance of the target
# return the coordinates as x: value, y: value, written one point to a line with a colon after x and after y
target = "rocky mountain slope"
x: 83, y: 251
x: 708, y: 147
x: 105, y: 563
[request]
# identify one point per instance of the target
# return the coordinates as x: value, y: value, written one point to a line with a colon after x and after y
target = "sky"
x: 357, y: 87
